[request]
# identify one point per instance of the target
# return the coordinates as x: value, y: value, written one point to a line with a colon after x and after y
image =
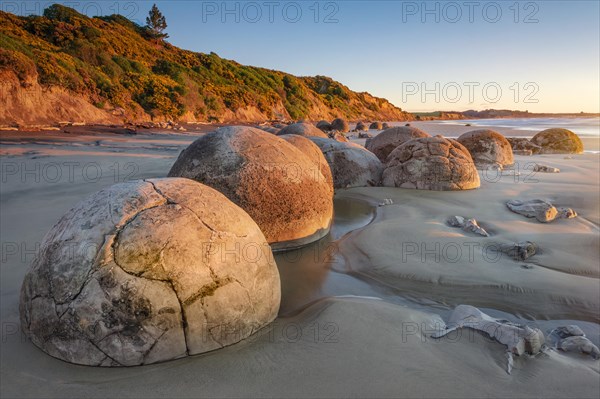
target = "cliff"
x: 64, y: 66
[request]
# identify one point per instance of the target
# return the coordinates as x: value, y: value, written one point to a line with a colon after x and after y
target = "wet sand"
x: 357, y: 308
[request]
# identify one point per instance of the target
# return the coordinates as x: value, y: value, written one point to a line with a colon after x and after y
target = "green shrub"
x: 61, y: 13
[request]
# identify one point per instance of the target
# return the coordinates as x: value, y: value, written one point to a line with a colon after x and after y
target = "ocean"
x: 580, y: 126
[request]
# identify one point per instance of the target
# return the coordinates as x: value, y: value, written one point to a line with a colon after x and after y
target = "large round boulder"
x: 324, y: 126
x: 280, y: 187
x: 341, y: 125
x: 376, y: 126
x: 313, y: 152
x: 148, y: 271
x: 558, y: 141
x: 385, y: 142
x: 351, y: 164
x: 487, y: 148
x: 361, y: 127
x: 431, y: 163
x: 302, y: 129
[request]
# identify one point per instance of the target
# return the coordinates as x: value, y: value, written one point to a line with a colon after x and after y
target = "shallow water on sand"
x: 318, y: 271
x: 370, y: 357
x: 309, y: 273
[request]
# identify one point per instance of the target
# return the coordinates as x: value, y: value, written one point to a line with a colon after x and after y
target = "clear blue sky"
x: 395, y: 49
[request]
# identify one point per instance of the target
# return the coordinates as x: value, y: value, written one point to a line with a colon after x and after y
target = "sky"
x: 541, y: 56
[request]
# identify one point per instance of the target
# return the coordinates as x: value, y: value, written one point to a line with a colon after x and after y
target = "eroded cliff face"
x: 66, y: 67
x: 27, y: 103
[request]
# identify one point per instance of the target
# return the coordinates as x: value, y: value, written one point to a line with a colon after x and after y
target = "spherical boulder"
x: 148, y: 271
x: 360, y: 127
x: 385, y: 125
x: 324, y: 126
x: 385, y: 142
x: 341, y: 125
x: 431, y: 163
x: 487, y: 148
x: 280, y: 187
x: 302, y: 129
x: 558, y: 141
x: 313, y: 152
x: 376, y: 126
x: 351, y: 164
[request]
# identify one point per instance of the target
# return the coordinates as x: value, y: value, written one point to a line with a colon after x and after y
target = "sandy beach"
x: 359, y: 306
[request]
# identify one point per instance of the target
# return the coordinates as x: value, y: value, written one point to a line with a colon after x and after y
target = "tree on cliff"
x: 156, y: 24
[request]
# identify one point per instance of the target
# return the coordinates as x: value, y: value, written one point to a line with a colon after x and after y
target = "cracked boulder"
x: 149, y: 271
x: 558, y: 141
x: 351, y: 164
x: 280, y: 187
x: 487, y: 148
x: 388, y: 140
x: 431, y: 163
x: 302, y: 129
x: 375, y: 126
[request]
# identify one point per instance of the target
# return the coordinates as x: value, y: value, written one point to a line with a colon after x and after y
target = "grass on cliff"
x: 112, y: 60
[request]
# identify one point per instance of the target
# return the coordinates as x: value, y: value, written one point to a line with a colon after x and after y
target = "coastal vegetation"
x: 113, y: 63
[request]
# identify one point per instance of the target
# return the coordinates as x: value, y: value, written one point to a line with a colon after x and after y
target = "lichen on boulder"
x: 558, y: 141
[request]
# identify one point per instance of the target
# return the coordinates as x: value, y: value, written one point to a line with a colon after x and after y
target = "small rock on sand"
x: 545, y: 169
x: 542, y: 210
x: 568, y: 331
x: 466, y: 224
x: 520, y: 250
x: 518, y: 339
x: 581, y: 345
